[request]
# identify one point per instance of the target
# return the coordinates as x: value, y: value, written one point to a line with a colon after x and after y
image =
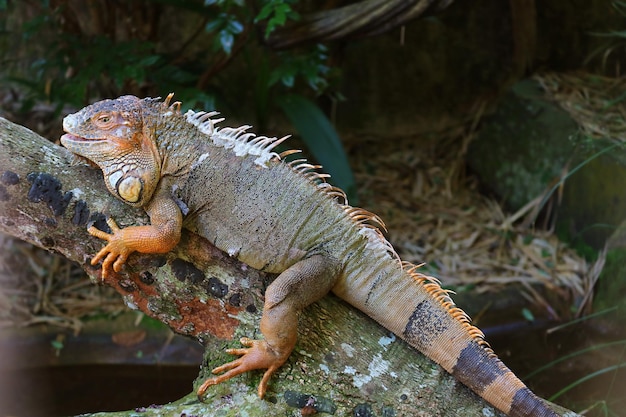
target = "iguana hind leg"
x: 298, y: 286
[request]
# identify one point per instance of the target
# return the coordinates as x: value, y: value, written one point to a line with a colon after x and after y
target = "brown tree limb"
x: 343, y: 361
x: 364, y: 18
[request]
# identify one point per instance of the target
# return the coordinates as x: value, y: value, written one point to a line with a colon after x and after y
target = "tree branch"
x: 364, y: 18
x: 343, y: 361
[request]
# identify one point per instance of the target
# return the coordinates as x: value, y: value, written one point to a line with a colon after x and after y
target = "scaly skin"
x: 229, y: 187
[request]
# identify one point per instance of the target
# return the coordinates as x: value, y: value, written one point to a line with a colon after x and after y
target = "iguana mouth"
x: 87, y: 150
x: 74, y: 138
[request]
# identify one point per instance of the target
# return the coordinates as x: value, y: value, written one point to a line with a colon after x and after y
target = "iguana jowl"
x: 230, y: 187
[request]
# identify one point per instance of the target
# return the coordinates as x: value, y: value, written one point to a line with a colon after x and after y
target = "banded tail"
x: 416, y: 308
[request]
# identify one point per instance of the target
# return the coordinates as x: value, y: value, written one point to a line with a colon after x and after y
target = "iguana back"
x: 268, y: 216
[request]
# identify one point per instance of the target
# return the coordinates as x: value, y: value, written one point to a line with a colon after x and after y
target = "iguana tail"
x: 417, y: 309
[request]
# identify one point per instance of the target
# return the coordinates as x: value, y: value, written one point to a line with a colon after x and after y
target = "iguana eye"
x: 103, y: 119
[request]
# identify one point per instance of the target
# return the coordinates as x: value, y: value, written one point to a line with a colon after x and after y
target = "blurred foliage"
x: 70, y: 52
x: 276, y: 12
x: 615, y: 39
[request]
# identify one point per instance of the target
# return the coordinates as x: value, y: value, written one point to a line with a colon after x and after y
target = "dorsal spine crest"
x: 237, y: 139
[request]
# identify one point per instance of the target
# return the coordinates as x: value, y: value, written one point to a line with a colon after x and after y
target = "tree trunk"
x: 344, y: 363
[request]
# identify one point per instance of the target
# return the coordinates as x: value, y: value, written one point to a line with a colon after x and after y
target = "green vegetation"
x: 65, y: 53
x: 608, y: 404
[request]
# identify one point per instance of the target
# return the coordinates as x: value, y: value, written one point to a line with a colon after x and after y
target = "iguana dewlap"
x: 231, y: 188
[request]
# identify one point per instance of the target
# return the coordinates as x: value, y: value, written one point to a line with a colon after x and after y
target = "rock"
x: 529, y: 144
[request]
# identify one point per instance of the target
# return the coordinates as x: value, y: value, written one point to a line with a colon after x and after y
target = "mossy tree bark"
x: 343, y: 363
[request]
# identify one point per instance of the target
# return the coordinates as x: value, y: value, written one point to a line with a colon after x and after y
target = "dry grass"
x: 39, y: 287
x: 595, y: 102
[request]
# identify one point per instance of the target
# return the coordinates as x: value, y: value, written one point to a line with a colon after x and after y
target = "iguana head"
x: 113, y: 135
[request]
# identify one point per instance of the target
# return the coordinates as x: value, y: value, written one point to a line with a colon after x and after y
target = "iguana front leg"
x: 298, y: 286
x: 160, y: 236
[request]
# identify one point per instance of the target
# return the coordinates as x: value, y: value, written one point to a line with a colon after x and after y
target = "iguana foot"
x: 301, y: 284
x: 257, y: 355
x: 115, y: 253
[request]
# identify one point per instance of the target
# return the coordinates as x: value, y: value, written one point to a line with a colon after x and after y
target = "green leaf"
x: 288, y: 80
x: 280, y: 15
x: 265, y: 12
x: 234, y: 26
x: 227, y: 40
x: 213, y: 25
x: 148, y: 60
x: 276, y: 12
x: 528, y: 315
x: 321, y: 139
x: 611, y: 34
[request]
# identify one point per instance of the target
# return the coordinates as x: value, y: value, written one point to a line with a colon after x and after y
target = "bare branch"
x: 364, y: 18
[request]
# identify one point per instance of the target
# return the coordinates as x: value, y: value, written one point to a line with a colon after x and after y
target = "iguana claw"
x: 257, y: 355
x: 115, y: 253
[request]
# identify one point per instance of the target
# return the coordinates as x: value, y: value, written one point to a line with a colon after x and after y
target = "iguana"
x: 232, y: 188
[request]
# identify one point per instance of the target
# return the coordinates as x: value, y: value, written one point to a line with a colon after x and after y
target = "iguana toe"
x: 258, y: 355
